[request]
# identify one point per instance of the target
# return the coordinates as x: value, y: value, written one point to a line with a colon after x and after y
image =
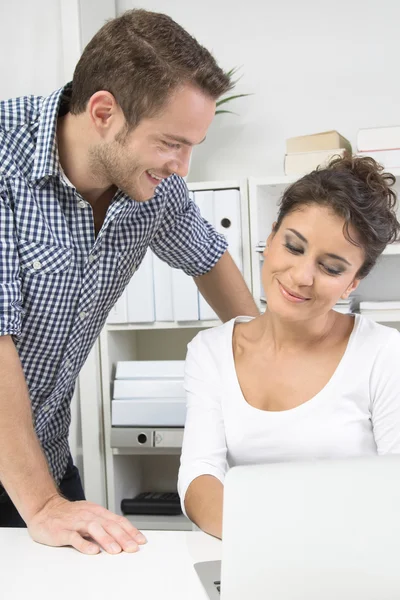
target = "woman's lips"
x: 291, y: 296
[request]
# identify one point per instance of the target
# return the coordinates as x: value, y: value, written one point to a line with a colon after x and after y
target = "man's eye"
x: 171, y: 145
x: 293, y: 249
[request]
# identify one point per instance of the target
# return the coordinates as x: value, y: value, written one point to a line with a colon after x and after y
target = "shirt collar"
x: 46, y: 162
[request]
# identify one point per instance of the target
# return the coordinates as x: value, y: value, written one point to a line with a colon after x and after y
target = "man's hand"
x: 64, y: 523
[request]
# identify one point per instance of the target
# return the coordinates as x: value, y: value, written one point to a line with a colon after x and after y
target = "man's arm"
x: 23, y: 468
x: 225, y: 290
x: 24, y: 473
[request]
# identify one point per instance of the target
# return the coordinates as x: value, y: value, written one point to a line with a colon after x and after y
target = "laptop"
x: 321, y: 530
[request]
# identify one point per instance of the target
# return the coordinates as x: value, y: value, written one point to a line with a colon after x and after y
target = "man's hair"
x: 142, y: 57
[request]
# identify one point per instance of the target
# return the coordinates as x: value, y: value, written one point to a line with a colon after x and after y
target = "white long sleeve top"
x: 356, y: 413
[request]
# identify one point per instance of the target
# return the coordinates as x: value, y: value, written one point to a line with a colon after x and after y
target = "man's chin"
x: 138, y: 195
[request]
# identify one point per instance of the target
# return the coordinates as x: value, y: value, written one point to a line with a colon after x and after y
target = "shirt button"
x: 46, y: 408
x: 82, y: 315
x: 82, y: 204
x: 37, y: 265
x: 68, y: 363
x: 92, y: 258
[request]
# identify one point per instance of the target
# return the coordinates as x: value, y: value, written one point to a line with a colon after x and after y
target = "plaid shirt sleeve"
x: 10, y: 284
x: 185, y: 240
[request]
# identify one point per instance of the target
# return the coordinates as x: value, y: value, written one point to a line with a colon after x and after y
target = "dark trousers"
x: 70, y: 487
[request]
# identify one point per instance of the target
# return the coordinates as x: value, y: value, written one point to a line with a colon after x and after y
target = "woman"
x: 301, y: 381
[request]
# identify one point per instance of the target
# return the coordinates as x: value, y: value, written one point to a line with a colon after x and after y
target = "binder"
x: 205, y: 202
x: 227, y: 222
x: 140, y: 293
x: 164, y: 310
x: 119, y: 312
x: 184, y: 297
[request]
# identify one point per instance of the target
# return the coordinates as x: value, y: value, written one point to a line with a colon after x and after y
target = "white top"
x: 162, y: 569
x: 357, y: 412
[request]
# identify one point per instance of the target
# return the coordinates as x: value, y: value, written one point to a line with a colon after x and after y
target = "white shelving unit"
x: 383, y: 283
x: 132, y: 467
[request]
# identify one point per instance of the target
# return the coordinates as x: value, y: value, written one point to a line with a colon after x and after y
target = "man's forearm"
x: 203, y: 504
x: 226, y: 291
x: 24, y: 471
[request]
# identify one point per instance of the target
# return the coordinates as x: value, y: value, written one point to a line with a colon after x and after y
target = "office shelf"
x: 161, y: 522
x: 392, y: 249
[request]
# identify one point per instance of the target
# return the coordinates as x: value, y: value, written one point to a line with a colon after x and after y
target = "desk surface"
x: 163, y: 568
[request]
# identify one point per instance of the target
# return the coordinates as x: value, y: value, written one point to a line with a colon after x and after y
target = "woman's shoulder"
x: 376, y: 334
x: 375, y: 341
x: 216, y: 338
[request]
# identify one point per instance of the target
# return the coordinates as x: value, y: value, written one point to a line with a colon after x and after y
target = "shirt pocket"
x: 46, y: 279
x: 41, y: 259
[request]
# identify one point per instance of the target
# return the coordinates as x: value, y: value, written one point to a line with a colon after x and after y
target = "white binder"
x: 164, y: 310
x: 119, y: 312
x: 184, y: 297
x: 140, y: 293
x: 227, y: 222
x: 205, y: 202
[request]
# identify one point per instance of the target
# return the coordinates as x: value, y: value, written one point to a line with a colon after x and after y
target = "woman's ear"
x: 269, y: 239
x: 353, y: 286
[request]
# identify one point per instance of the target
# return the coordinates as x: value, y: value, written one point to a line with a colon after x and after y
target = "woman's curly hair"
x: 357, y: 189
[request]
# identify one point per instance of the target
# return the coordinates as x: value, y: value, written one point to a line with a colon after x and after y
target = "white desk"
x: 162, y: 569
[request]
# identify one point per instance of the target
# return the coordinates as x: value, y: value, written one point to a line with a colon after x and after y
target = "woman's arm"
x: 203, y: 504
x: 203, y: 459
x: 385, y: 393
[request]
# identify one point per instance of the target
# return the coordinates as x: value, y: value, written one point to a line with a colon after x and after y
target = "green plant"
x: 229, y: 98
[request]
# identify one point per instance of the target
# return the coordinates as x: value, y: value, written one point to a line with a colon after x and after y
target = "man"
x: 89, y: 178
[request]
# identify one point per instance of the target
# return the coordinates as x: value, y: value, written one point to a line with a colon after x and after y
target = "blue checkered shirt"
x: 58, y: 281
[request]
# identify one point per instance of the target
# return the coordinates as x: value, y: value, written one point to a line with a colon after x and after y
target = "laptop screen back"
x: 323, y: 529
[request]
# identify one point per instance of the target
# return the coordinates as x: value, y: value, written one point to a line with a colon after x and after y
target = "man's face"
x: 136, y: 162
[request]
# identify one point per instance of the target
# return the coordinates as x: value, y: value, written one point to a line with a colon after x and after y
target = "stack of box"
x: 382, y: 144
x: 149, y: 393
x: 381, y: 311
x: 307, y: 152
x: 346, y: 307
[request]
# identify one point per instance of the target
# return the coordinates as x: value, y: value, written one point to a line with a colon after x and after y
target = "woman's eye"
x: 331, y: 271
x: 293, y: 249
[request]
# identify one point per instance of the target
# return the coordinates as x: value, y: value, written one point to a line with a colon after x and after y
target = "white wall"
x: 31, y: 57
x: 312, y: 65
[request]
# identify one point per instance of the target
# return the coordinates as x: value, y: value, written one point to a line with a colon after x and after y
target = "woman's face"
x: 309, y: 264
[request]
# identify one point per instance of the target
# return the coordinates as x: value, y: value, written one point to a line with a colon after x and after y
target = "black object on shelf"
x: 152, y: 503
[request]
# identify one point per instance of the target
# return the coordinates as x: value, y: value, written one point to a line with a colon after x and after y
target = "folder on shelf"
x: 164, y: 310
x: 119, y: 312
x: 140, y: 293
x: 150, y: 369
x: 221, y: 208
x: 205, y: 201
x: 184, y: 297
x: 227, y: 222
